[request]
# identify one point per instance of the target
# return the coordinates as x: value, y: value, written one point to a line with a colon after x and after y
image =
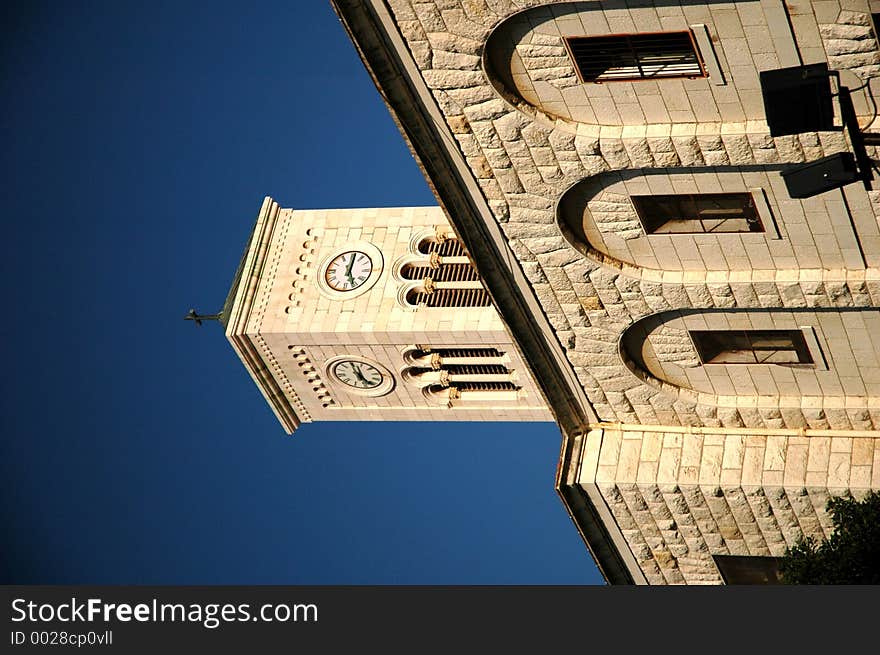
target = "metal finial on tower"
x: 198, y: 318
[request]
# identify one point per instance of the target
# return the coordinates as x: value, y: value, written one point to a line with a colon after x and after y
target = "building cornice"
x: 591, y: 515
x: 237, y: 313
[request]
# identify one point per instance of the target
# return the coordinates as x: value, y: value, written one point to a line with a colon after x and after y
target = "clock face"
x: 359, y: 375
x: 349, y: 270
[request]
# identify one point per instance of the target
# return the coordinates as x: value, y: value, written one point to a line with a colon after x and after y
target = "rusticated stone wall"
x: 681, y: 497
x: 524, y: 162
x: 615, y: 213
x: 851, y: 44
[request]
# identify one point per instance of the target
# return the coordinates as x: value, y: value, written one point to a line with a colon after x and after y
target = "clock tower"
x: 372, y: 314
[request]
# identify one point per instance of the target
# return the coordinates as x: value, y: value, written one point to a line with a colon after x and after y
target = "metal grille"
x: 635, y: 56
x: 450, y: 298
x: 449, y: 247
x: 445, y: 273
x: 477, y: 369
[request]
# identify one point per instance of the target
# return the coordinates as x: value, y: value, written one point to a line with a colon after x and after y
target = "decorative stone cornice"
x: 242, y: 329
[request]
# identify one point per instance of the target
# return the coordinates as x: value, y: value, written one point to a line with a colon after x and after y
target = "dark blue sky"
x: 139, y: 140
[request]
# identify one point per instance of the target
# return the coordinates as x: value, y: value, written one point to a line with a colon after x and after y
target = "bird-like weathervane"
x: 198, y: 318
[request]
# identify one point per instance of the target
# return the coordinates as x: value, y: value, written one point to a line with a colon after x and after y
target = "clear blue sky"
x: 139, y: 140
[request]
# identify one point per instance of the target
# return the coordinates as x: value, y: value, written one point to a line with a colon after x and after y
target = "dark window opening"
x: 748, y: 569
x: 751, y: 346
x: 689, y: 213
x: 635, y: 56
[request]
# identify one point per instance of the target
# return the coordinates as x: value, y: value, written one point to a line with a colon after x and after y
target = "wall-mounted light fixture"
x: 799, y: 99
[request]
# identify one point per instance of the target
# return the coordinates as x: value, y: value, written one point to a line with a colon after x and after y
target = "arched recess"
x: 816, y: 359
x: 521, y: 51
x: 731, y: 218
x: 529, y: 60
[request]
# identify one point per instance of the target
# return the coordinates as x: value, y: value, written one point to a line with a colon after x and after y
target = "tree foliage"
x: 851, y: 555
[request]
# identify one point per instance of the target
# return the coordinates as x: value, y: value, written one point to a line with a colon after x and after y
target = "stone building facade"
x: 673, y: 456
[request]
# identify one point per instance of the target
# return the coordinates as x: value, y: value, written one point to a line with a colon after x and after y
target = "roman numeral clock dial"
x: 358, y: 374
x: 348, y: 271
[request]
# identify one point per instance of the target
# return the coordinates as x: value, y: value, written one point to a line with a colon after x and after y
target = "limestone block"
x: 452, y: 79
x: 615, y: 154
x: 843, y: 31
x: 688, y: 151
x: 789, y: 149
x: 421, y: 51
x: 738, y: 149
x: 429, y: 16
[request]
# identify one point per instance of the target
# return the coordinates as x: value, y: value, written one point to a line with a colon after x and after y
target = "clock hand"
x: 348, y: 270
x: 359, y: 374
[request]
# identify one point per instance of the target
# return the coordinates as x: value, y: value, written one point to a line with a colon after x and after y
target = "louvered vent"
x: 450, y: 298
x: 636, y: 56
x: 445, y: 273
x: 477, y: 369
x: 486, y: 386
x: 461, y: 352
x: 470, y: 352
x: 448, y: 248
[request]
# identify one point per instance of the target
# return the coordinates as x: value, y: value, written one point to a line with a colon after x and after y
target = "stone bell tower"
x: 372, y: 314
